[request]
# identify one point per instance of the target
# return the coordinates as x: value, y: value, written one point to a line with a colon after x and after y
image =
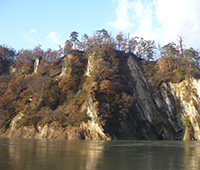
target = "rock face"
x: 169, y: 112
x: 89, y: 66
x: 186, y: 97
x: 64, y: 69
x: 145, y: 103
x: 93, y: 128
x: 36, y: 64
x: 157, y: 108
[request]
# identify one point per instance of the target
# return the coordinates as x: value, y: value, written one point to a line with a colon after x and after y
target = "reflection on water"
x: 30, y: 154
x: 192, y: 155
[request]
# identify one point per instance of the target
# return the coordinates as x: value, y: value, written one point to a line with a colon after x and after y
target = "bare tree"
x: 180, y: 46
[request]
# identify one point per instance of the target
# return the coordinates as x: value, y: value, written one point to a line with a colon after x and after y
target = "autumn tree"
x: 100, y: 41
x: 24, y: 61
x: 52, y: 55
x: 101, y: 37
x: 50, y: 95
x: 7, y: 55
x: 38, y: 52
x: 119, y: 39
x: 124, y: 44
x: 25, y: 56
x: 83, y: 44
x: 68, y: 47
x: 132, y: 44
x: 104, y: 40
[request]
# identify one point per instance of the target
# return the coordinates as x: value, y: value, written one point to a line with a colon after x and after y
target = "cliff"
x: 105, y: 94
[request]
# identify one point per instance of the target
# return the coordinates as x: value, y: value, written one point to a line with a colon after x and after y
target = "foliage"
x: 176, y: 63
x: 51, y: 95
x: 74, y: 38
x: 7, y: 55
x: 46, y: 97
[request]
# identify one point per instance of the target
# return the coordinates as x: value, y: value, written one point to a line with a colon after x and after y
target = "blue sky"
x: 27, y: 23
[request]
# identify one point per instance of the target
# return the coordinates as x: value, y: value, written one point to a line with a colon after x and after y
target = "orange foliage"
x: 67, y: 84
x: 96, y: 104
x: 107, y: 86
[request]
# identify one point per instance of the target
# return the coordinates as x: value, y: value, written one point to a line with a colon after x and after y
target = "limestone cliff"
x: 92, y: 128
x: 102, y: 96
x: 186, y: 97
x: 36, y: 64
x: 156, y: 107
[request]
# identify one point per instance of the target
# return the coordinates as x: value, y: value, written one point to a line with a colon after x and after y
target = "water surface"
x: 32, y: 154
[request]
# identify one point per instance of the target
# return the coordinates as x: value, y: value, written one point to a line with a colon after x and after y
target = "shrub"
x: 186, y: 121
x: 51, y: 94
x: 180, y: 72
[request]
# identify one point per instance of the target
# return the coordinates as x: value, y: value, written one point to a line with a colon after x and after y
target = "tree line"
x: 145, y: 49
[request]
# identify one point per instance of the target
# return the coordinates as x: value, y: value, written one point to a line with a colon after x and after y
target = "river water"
x: 32, y: 154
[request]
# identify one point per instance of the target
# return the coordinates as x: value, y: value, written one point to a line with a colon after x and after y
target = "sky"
x: 25, y: 24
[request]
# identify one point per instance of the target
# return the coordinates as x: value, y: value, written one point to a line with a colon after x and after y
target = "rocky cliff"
x: 103, y: 95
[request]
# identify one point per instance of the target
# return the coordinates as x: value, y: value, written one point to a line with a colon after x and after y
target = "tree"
x: 131, y: 45
x: 74, y: 38
x: 170, y: 50
x: 103, y: 31
x: 52, y: 55
x: 180, y: 46
x: 84, y: 43
x: 37, y: 52
x: 144, y: 48
x: 149, y: 50
x: 119, y: 39
x: 68, y: 47
x: 7, y: 55
x: 102, y: 37
x: 25, y: 56
x: 124, y: 43
x: 192, y: 55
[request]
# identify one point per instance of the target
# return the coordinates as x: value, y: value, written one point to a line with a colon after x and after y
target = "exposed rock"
x: 156, y: 114
x: 89, y: 66
x: 186, y: 95
x: 93, y: 129
x: 189, y: 134
x: 16, y: 131
x: 13, y: 69
x: 36, y: 64
x: 64, y: 69
x: 145, y: 103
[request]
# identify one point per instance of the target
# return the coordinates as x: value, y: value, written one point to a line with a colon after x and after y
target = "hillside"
x: 101, y: 92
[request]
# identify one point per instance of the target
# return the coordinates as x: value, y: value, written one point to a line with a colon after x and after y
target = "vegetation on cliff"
x: 95, y: 68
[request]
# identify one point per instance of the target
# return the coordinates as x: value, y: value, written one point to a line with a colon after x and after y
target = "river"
x: 32, y: 154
